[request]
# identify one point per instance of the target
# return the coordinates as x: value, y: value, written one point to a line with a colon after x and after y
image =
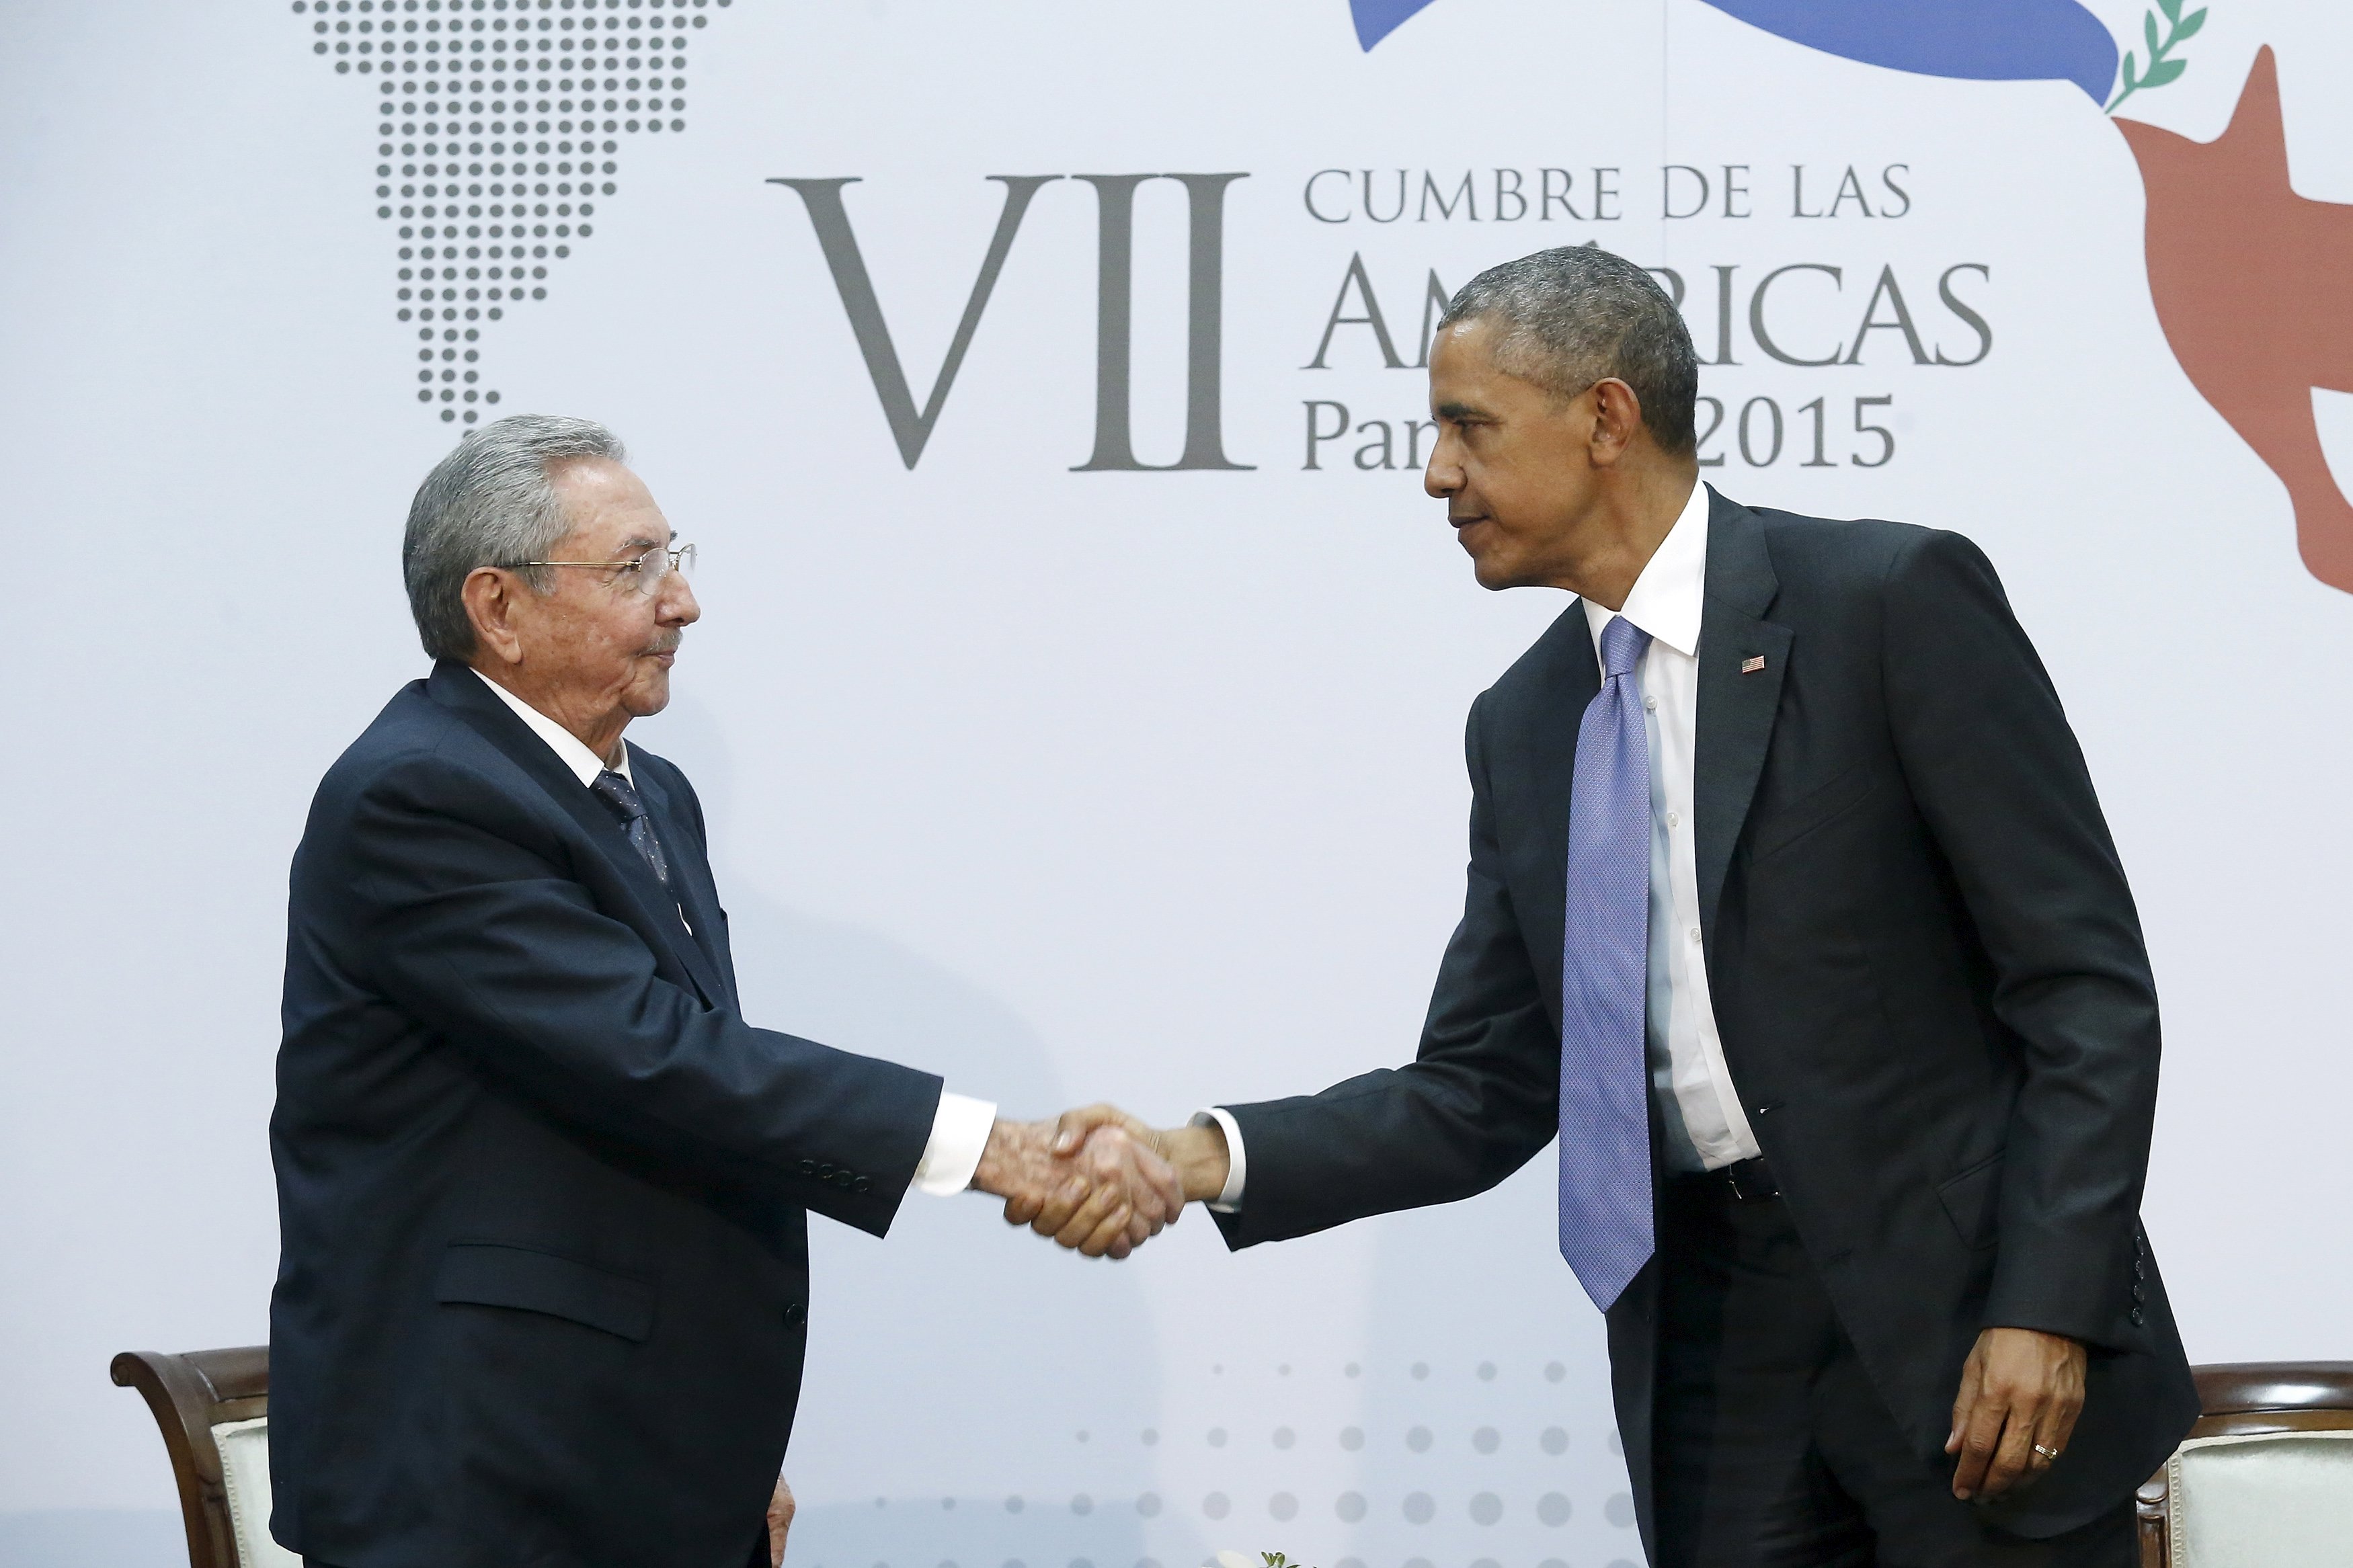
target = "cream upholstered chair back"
x: 2264, y: 1479
x: 213, y: 1407
x: 245, y: 1477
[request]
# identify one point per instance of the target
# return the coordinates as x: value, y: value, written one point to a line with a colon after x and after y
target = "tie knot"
x: 620, y: 794
x: 1622, y: 643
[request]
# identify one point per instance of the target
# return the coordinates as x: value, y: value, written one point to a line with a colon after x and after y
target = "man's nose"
x: 1443, y: 476
x: 678, y: 606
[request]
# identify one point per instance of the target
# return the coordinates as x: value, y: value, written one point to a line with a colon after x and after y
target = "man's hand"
x: 1103, y: 1196
x: 780, y: 1520
x: 2021, y: 1393
x: 1199, y: 1153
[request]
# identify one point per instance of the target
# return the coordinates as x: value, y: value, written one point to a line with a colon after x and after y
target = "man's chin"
x: 1489, y: 564
x: 649, y: 694
x: 1493, y: 575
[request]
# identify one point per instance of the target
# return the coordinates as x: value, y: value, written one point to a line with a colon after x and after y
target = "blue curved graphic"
x: 1982, y: 41
x: 1377, y: 19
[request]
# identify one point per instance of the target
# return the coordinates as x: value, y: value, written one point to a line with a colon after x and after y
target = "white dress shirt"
x: 1703, y: 1123
x: 961, y: 1125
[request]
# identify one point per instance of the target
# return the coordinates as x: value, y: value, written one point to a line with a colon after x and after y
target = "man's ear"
x: 491, y: 595
x: 1617, y: 420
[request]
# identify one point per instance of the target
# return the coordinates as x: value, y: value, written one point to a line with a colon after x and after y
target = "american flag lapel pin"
x: 1752, y: 663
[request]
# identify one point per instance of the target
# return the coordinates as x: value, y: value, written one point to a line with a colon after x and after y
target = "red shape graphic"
x: 2253, y: 285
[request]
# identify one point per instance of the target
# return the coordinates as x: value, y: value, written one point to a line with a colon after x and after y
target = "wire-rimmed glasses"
x: 640, y: 573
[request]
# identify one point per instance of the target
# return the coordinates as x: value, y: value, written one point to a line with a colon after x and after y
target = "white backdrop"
x: 1078, y: 784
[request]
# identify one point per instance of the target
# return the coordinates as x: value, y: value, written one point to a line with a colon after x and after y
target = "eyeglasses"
x: 641, y: 573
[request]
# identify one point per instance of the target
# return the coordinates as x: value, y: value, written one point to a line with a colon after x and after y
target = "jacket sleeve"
x: 1996, y: 773
x: 1478, y: 1100
x: 470, y: 923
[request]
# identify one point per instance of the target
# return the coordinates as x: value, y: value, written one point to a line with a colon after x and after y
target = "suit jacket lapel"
x: 462, y: 691
x: 690, y: 875
x: 1552, y: 750
x: 1736, y: 706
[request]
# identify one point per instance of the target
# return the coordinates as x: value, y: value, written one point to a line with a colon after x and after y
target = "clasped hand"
x: 1101, y: 1192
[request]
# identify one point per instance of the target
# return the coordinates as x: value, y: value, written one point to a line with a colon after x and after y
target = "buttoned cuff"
x: 960, y: 1130
x: 1229, y: 1197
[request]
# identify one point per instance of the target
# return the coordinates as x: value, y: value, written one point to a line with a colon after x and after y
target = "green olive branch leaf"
x: 2161, y: 69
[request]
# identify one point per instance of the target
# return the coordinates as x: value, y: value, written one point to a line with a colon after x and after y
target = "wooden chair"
x: 2246, y: 1400
x: 191, y: 1395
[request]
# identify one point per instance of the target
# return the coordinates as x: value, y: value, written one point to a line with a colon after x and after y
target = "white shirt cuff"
x: 1229, y: 1197
x: 960, y: 1131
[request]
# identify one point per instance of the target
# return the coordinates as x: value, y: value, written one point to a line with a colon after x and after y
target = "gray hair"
x: 1572, y: 315
x: 490, y: 503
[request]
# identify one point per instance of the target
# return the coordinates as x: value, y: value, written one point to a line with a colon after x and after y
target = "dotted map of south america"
x: 499, y: 122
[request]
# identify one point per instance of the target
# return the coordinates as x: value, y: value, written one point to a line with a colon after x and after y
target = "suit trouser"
x: 1771, y: 1448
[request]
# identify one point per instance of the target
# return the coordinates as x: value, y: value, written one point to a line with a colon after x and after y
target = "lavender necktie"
x: 1604, y: 1125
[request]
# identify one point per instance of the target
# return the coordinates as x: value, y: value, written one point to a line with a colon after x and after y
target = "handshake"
x: 1097, y: 1179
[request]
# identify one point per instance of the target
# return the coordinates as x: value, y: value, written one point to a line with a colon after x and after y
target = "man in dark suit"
x: 544, y: 1287
x: 1792, y: 912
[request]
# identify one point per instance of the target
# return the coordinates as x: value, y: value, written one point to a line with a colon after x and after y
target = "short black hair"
x: 1576, y: 314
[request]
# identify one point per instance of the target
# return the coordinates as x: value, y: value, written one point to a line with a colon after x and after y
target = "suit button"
x: 2141, y: 1293
x: 808, y: 1167
x: 2139, y: 1317
x: 843, y: 1180
x: 2140, y: 1270
x: 796, y: 1313
x: 860, y: 1186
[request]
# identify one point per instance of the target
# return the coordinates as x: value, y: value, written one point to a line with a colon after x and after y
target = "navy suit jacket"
x: 543, y: 1291
x: 1928, y: 975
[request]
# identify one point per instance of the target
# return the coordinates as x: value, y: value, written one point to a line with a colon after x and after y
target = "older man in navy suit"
x: 542, y: 1191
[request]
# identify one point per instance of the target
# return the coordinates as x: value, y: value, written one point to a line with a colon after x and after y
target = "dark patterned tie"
x: 622, y: 796
x: 1605, y: 1128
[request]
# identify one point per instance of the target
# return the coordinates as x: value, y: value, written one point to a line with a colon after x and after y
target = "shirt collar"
x: 1667, y: 598
x: 568, y: 747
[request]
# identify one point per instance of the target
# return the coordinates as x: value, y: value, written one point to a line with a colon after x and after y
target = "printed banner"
x: 1078, y: 701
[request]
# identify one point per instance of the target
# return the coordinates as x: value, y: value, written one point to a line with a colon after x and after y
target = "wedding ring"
x: 2046, y: 1453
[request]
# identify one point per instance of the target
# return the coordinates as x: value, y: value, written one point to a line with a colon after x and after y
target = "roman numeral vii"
x: 1115, y: 206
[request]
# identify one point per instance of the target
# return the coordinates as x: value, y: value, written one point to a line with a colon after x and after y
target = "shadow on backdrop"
x: 1488, y: 1433
x: 920, y: 1403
